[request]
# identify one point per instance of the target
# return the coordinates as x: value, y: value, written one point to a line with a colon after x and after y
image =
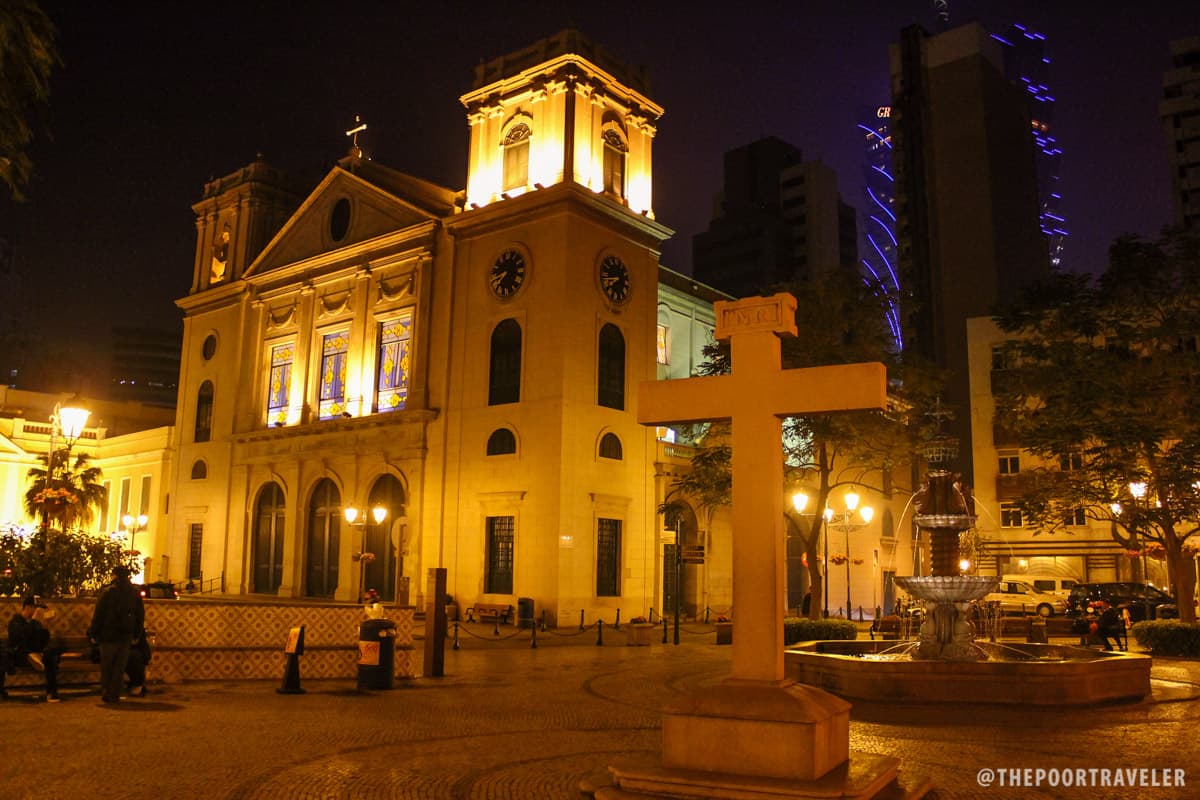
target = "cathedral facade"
x: 459, y: 367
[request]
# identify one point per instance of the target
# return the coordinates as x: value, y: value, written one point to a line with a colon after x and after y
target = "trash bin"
x: 376, y: 653
x: 524, y: 612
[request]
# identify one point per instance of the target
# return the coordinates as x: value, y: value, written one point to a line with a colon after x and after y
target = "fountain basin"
x: 1053, y: 675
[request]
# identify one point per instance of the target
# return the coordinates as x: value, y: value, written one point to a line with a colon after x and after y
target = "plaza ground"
x: 510, y: 721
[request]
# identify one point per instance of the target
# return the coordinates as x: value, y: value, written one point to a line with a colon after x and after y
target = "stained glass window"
x: 333, y: 373
x: 281, y: 382
x: 395, y: 340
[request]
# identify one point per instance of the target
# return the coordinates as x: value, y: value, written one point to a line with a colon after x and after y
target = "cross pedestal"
x: 758, y: 734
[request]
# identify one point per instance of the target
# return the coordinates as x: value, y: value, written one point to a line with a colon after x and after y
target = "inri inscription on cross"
x: 755, y: 396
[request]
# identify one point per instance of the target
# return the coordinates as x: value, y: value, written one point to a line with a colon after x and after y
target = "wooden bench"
x: 74, y: 663
x: 500, y: 612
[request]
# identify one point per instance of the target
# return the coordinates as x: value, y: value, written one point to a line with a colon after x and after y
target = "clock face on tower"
x: 508, y: 273
x: 614, y: 279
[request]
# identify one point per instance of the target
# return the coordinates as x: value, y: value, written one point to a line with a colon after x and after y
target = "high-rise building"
x: 1180, y: 112
x: 878, y: 228
x: 1027, y: 65
x: 145, y: 365
x: 777, y: 219
x: 967, y: 207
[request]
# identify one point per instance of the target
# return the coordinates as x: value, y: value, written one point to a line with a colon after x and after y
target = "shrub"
x: 56, y: 563
x: 796, y: 629
x: 1168, y: 637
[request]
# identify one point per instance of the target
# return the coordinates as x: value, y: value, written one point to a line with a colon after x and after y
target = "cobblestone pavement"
x: 509, y: 721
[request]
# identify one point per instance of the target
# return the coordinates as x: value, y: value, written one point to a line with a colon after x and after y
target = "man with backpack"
x: 119, y: 620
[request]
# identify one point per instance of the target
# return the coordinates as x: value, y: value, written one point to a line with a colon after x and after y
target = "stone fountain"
x: 945, y: 508
x: 946, y: 664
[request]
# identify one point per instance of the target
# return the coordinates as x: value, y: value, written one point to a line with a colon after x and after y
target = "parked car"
x: 1019, y: 597
x: 1138, y: 596
x: 161, y: 590
x: 1050, y: 584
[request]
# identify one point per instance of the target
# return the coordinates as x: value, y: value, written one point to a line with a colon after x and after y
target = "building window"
x: 1010, y: 465
x: 1010, y: 516
x: 144, y: 498
x: 611, y: 368
x: 614, y: 162
x: 608, y: 558
x: 195, y: 571
x: 610, y: 446
x: 281, y: 383
x: 123, y: 499
x: 333, y: 374
x: 204, y: 412
x: 1071, y: 462
x: 501, y: 442
x: 516, y: 156
x: 1077, y: 517
x: 199, y: 471
x: 499, y: 578
x: 664, y: 344
x: 269, y: 519
x: 395, y: 339
x: 324, y: 529
x: 504, y: 384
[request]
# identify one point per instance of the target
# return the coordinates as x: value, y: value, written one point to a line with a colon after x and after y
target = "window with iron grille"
x: 499, y: 578
x: 501, y: 442
x: 608, y: 558
x: 195, y: 539
x: 610, y: 446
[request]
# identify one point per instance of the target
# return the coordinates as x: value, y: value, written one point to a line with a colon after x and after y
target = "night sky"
x: 154, y: 99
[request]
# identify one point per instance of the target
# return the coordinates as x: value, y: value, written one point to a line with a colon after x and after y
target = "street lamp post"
x: 846, y: 524
x: 379, y: 514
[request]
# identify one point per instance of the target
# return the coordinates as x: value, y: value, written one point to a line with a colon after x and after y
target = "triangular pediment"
x: 9, y: 447
x: 353, y: 204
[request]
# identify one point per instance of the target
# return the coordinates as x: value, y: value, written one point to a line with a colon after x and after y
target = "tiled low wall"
x: 234, y: 639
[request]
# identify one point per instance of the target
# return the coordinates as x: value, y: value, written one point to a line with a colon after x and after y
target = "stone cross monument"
x: 757, y: 728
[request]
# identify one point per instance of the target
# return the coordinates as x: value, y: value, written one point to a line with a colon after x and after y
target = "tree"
x: 1100, y: 383
x: 839, y: 320
x: 28, y: 54
x: 68, y: 498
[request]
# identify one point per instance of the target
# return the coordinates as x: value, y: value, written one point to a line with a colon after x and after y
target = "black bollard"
x: 664, y: 619
x: 706, y: 610
x: 581, y: 619
x: 617, y: 624
x: 599, y: 633
x: 533, y: 641
x: 456, y: 634
x: 291, y: 672
x: 496, y: 625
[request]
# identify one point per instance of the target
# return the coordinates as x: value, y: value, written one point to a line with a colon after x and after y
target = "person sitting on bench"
x: 29, y: 646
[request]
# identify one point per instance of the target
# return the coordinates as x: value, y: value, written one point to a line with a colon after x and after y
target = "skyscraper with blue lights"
x: 878, y: 251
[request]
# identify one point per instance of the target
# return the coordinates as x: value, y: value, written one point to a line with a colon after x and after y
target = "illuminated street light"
x: 352, y: 514
x: 845, y: 522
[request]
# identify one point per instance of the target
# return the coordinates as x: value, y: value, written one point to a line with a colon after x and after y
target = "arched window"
x: 269, y: 521
x: 501, y: 442
x: 324, y: 527
x: 204, y: 411
x: 385, y: 539
x: 504, y: 378
x: 610, y: 446
x: 199, y: 470
x: 614, y: 162
x: 611, y: 371
x: 516, y: 156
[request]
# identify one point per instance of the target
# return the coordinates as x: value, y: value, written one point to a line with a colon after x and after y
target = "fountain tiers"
x: 1078, y: 676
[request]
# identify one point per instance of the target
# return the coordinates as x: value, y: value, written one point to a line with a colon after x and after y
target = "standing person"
x: 29, y: 645
x: 120, y: 618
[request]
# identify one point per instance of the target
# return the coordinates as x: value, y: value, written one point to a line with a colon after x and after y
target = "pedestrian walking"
x: 119, y: 620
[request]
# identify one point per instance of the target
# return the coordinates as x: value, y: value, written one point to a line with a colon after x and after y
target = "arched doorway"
x: 324, y: 520
x: 267, y: 548
x: 385, y: 539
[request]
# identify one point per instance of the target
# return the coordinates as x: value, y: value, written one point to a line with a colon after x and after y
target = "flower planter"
x: 641, y: 633
x: 724, y: 633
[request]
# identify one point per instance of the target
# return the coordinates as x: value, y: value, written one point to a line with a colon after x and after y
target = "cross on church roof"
x: 360, y: 126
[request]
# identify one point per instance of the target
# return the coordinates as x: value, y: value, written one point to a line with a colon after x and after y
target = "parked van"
x: 1048, y: 584
x: 1019, y: 597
